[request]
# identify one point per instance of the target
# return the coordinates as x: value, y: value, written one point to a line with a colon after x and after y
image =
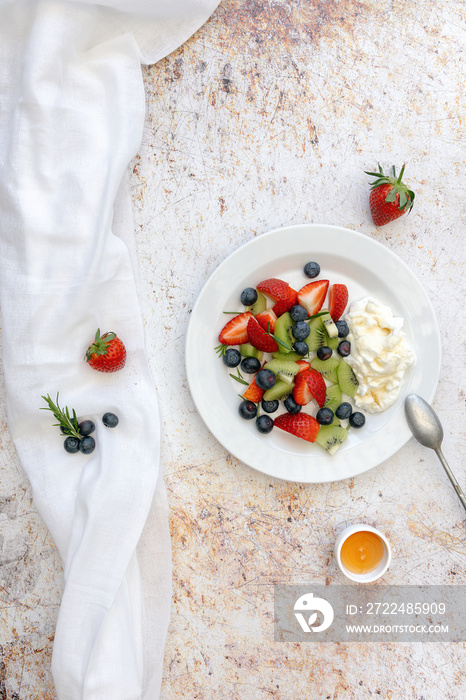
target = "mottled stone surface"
x: 268, y: 116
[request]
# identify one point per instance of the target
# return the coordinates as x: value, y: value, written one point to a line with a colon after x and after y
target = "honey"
x: 362, y: 552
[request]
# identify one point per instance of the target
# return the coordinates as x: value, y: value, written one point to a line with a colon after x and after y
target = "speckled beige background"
x: 268, y: 116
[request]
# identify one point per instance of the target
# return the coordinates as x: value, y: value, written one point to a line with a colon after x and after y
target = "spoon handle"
x: 452, y: 478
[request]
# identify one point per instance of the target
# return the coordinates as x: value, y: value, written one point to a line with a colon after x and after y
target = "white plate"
x: 367, y: 268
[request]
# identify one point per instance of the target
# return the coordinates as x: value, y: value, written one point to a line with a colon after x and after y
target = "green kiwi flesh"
x: 331, y: 437
x: 248, y: 350
x: 259, y: 305
x: 327, y: 368
x: 329, y: 325
x: 282, y: 332
x: 283, y: 369
x: 333, y: 397
x: 279, y: 391
x: 347, y: 379
x: 288, y: 357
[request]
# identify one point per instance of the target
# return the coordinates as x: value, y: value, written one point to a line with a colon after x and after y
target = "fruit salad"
x: 287, y: 349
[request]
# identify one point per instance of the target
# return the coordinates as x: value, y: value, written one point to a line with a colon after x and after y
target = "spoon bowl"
x: 423, y: 422
x: 427, y: 429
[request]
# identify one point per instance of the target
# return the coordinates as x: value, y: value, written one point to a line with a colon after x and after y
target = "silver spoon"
x: 427, y: 430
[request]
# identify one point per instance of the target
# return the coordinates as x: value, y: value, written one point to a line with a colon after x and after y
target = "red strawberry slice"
x: 278, y: 291
x: 273, y: 288
x: 265, y: 318
x: 235, y: 332
x: 303, y: 366
x: 309, y: 385
x: 253, y: 393
x: 312, y: 296
x: 300, y: 424
x: 286, y: 303
x: 301, y: 392
x: 259, y: 338
x: 337, y: 300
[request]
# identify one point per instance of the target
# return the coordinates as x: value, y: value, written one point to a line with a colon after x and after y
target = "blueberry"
x: 250, y: 365
x: 232, y: 357
x: 64, y: 430
x: 248, y: 296
x: 110, y: 420
x: 265, y: 379
x: 324, y: 353
x: 264, y: 424
x: 344, y: 410
x: 247, y: 410
x: 343, y: 329
x: 325, y: 416
x: 269, y: 406
x: 357, y: 420
x: 291, y: 405
x: 344, y: 348
x: 298, y: 312
x: 300, y: 330
x: 71, y: 445
x: 300, y: 347
x: 311, y: 269
x: 87, y: 445
x: 86, y: 427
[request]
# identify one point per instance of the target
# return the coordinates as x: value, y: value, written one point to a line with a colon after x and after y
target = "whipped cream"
x: 380, y: 354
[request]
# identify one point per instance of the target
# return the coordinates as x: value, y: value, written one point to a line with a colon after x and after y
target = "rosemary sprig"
x: 220, y: 349
x: 68, y: 422
x: 239, y: 378
x: 280, y: 342
x: 320, y: 313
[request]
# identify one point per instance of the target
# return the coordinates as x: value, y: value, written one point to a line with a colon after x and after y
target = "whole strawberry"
x: 389, y: 197
x: 107, y: 353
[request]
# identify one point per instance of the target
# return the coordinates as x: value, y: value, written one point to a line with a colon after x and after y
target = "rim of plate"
x: 281, y: 456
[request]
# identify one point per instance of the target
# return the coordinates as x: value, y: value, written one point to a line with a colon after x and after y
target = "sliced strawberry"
x: 259, y: 338
x: 303, y: 366
x: 235, y: 332
x: 265, y: 318
x: 309, y: 385
x: 273, y: 288
x: 300, y: 424
x: 337, y: 300
x: 301, y: 392
x: 286, y: 303
x: 278, y: 291
x: 312, y: 296
x: 253, y: 393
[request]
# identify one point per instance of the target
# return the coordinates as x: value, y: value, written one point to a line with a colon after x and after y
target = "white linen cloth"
x: 71, y: 118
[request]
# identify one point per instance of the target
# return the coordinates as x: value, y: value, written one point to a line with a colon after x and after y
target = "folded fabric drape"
x: 72, y: 112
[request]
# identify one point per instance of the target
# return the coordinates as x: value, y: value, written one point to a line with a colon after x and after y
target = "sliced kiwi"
x: 288, y: 357
x: 283, y: 369
x: 248, y: 350
x: 327, y: 368
x: 279, y: 391
x: 282, y: 332
x: 347, y: 379
x: 329, y: 325
x: 330, y: 437
x: 259, y: 305
x: 316, y: 338
x: 333, y: 397
x: 332, y: 343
